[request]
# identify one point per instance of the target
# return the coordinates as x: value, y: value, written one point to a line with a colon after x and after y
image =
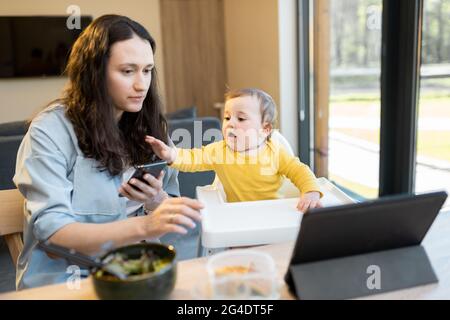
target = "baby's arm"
x: 303, y: 178
x: 309, y: 200
x: 163, y: 151
x: 187, y: 160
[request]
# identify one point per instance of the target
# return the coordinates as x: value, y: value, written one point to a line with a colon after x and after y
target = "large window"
x: 372, y: 132
x: 433, y: 147
x: 347, y: 62
x: 354, y: 105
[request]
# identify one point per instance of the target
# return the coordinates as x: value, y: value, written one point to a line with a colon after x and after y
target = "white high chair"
x: 244, y: 224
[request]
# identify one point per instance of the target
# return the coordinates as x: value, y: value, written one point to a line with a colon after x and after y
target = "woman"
x: 73, y: 162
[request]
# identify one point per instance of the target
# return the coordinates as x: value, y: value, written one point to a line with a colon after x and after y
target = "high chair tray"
x: 258, y: 222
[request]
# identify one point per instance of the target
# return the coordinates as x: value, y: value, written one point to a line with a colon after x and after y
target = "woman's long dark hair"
x: 90, y: 108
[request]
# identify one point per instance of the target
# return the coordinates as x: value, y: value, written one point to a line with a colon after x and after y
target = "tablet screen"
x: 382, y: 224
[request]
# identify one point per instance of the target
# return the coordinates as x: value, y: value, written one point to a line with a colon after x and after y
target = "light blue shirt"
x: 61, y: 186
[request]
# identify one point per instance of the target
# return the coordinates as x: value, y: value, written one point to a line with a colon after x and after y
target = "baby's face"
x: 242, y: 126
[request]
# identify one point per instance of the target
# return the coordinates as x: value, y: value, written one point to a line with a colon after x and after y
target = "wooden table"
x: 193, y: 272
x: 190, y: 274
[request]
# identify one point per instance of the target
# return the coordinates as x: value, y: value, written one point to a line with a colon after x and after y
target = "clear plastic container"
x: 242, y: 274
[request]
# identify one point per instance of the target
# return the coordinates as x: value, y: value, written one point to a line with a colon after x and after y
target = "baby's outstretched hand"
x: 163, y: 151
x: 308, y: 201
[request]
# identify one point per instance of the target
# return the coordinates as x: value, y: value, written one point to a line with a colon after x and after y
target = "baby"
x: 250, y: 165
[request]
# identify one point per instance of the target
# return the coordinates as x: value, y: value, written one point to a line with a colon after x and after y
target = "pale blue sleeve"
x: 171, y: 185
x: 42, y: 177
x: 170, y: 181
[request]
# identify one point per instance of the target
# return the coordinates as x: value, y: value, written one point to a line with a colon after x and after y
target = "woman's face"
x: 128, y: 74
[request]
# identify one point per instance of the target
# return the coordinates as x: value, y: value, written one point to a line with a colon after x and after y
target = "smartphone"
x: 153, y: 168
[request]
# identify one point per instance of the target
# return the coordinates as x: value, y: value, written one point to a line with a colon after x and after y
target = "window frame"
x: 400, y: 84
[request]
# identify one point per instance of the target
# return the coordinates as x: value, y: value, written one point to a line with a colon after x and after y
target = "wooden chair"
x: 11, y: 221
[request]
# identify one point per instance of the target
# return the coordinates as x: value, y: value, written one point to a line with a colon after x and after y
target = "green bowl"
x: 150, y: 286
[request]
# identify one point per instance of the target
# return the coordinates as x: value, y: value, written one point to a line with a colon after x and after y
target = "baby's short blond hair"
x: 266, y: 102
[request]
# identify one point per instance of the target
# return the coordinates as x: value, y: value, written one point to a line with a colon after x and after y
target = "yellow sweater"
x: 248, y: 178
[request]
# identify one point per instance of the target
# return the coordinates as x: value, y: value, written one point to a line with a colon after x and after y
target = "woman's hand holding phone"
x: 144, y: 191
x: 147, y: 189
